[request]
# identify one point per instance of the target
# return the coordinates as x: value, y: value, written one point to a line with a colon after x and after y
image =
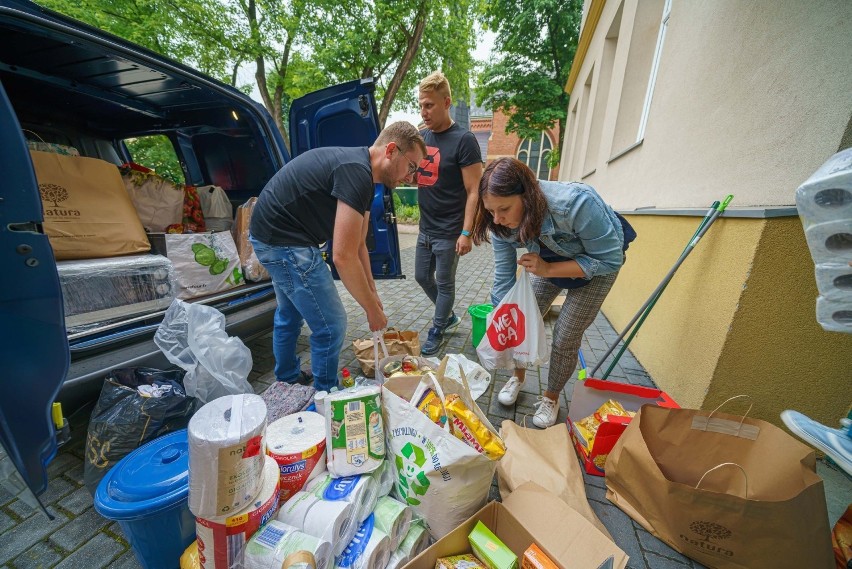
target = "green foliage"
x: 157, y: 153
x: 535, y: 46
x: 406, y: 214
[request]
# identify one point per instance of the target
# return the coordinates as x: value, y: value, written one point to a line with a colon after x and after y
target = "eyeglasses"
x: 412, y: 166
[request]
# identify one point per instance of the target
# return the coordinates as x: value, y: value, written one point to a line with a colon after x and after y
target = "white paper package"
x: 333, y: 522
x: 361, y: 491
x: 276, y: 541
x: 226, y: 454
x: 355, y: 437
x: 368, y: 549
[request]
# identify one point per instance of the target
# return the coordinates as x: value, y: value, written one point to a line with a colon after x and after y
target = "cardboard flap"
x: 574, y: 538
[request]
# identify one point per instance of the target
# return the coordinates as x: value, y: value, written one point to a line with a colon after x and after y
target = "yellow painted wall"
x: 738, y: 317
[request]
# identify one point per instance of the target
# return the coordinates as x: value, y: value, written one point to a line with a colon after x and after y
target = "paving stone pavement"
x: 79, y: 537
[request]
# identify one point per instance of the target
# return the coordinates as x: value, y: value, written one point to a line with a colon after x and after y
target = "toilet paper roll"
x: 319, y: 401
x: 276, y: 541
x: 830, y: 241
x: 331, y: 521
x: 221, y: 539
x: 393, y: 518
x: 370, y: 548
x: 226, y: 454
x: 361, y: 491
x: 834, y: 281
x: 834, y: 315
x: 827, y: 194
x: 355, y: 437
x: 397, y: 560
x: 383, y: 476
x: 415, y: 541
x: 297, y: 443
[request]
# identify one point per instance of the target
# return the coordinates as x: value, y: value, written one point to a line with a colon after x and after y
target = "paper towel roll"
x: 319, y: 401
x: 415, y: 541
x: 275, y: 541
x: 221, y: 539
x: 397, y: 560
x: 834, y: 281
x: 297, y: 443
x: 226, y: 454
x: 361, y: 491
x: 331, y: 521
x: 834, y: 315
x: 370, y: 548
x: 393, y: 518
x: 830, y: 241
x: 384, y: 478
x: 827, y: 194
x: 355, y: 438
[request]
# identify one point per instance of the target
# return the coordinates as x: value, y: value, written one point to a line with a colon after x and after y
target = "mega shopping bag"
x: 442, y: 478
x: 728, y: 491
x: 514, y: 331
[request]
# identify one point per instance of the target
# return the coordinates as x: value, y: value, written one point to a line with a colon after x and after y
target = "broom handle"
x: 714, y: 212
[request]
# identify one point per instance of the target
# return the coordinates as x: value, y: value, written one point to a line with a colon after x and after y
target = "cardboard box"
x: 525, y: 517
x: 588, y: 396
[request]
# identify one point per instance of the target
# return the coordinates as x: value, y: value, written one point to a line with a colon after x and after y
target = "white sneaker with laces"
x: 545, y: 415
x: 509, y: 394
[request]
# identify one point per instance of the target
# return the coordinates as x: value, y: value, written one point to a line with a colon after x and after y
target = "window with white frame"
x: 534, y: 152
x: 661, y: 38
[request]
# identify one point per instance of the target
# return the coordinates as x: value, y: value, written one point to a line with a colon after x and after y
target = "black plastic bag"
x: 124, y: 419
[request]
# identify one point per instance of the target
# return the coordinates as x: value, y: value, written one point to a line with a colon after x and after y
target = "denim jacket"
x: 578, y: 224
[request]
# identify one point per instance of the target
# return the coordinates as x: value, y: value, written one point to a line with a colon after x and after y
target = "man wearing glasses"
x: 325, y: 194
x: 448, y: 184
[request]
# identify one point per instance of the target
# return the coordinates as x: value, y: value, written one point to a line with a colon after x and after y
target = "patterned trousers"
x: 579, y: 311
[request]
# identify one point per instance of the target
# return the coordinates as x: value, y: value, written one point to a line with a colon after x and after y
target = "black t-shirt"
x: 441, y: 193
x: 298, y: 205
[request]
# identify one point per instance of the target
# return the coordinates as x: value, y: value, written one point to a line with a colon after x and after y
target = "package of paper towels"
x: 383, y: 476
x: 220, y: 540
x: 226, y: 454
x: 360, y: 491
x: 355, y: 431
x: 277, y: 541
x: 370, y: 548
x: 413, y: 544
x: 297, y: 443
x: 333, y: 522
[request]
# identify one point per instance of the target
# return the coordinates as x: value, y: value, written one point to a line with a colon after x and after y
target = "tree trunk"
x: 412, y: 47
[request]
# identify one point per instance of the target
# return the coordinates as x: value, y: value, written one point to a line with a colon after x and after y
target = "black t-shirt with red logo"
x: 441, y: 193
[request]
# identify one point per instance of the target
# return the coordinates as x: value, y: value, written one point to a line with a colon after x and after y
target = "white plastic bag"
x: 193, y: 337
x: 514, y: 331
x: 443, y: 479
x: 477, y: 376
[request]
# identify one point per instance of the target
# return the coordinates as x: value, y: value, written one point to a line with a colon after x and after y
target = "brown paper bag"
x: 546, y: 458
x: 252, y: 269
x: 727, y: 496
x: 87, y: 212
x: 398, y: 342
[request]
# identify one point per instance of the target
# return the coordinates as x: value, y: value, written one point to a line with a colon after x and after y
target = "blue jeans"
x: 435, y: 262
x: 306, y: 293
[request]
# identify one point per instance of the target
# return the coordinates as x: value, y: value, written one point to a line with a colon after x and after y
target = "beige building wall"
x: 750, y: 98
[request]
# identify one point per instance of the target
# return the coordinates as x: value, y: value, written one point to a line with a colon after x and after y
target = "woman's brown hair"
x: 510, y: 177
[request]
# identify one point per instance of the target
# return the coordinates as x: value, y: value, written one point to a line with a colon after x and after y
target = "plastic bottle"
x: 348, y: 380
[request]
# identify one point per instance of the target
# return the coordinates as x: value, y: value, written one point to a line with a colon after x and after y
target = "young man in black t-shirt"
x: 319, y: 195
x: 448, y: 184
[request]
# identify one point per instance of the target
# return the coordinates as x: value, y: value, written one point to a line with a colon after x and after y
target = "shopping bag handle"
x: 726, y: 426
x: 745, y: 476
x: 379, y: 339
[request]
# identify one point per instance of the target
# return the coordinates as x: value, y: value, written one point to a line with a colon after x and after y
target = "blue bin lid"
x: 149, y: 480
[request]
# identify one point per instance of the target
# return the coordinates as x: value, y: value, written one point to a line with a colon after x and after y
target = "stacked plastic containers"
x: 825, y: 207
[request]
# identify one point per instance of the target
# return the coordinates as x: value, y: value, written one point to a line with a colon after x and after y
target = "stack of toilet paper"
x: 414, y: 542
x: 824, y: 202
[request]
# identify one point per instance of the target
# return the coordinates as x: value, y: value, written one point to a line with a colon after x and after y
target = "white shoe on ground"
x: 509, y: 394
x: 545, y: 415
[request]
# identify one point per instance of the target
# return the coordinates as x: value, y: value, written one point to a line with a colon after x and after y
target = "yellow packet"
x: 430, y: 405
x: 467, y: 427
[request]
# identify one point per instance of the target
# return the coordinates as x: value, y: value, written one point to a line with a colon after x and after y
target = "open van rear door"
x: 345, y: 115
x: 32, y: 324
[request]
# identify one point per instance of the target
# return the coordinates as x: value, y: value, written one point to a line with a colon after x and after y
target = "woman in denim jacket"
x: 575, y: 243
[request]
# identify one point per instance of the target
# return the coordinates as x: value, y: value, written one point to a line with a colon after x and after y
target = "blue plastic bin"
x: 146, y: 493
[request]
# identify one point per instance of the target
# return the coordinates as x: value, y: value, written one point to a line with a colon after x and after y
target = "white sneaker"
x: 509, y: 394
x: 545, y: 415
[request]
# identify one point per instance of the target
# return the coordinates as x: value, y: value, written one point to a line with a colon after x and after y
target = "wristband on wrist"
x: 465, y: 232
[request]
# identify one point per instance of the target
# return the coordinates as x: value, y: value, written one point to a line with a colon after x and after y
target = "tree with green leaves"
x: 534, y: 47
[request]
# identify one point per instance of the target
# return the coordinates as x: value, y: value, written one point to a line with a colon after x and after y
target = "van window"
x: 157, y: 153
